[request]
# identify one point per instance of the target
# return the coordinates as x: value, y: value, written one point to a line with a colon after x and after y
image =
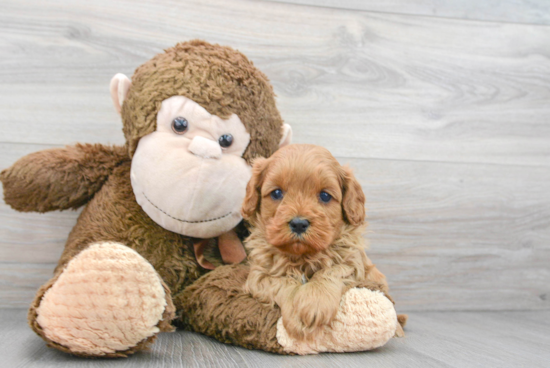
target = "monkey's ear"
x: 251, y: 203
x: 287, y: 135
x: 120, y: 84
x: 353, y: 201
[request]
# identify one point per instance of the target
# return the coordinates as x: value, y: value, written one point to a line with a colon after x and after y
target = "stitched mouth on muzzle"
x: 186, y: 221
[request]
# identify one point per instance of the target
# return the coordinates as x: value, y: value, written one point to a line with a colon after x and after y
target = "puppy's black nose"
x: 298, y: 225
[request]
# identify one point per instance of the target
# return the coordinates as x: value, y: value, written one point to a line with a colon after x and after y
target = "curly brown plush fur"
x: 221, y: 80
x: 217, y: 306
x: 60, y: 179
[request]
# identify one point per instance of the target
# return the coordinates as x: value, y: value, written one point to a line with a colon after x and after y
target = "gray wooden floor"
x: 434, y: 339
x: 442, y: 107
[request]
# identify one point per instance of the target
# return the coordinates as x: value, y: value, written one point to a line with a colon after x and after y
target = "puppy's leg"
x: 402, y: 319
x: 269, y: 289
x: 310, y: 308
x: 365, y: 320
x: 315, y: 304
x: 375, y: 275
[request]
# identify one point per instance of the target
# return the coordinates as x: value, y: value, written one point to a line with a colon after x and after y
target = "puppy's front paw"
x: 365, y: 320
x: 309, y: 311
x: 316, y: 314
x: 292, y: 322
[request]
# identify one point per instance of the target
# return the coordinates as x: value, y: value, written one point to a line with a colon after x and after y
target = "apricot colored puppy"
x: 306, y: 246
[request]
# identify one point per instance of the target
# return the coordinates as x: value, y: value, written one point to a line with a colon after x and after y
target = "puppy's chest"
x: 302, y: 275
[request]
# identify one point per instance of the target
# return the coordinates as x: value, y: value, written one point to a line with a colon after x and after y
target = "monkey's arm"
x: 59, y: 178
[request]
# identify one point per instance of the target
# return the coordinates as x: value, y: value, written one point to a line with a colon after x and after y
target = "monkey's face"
x: 189, y: 175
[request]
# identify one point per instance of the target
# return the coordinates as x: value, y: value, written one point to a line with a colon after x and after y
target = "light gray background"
x: 441, y: 107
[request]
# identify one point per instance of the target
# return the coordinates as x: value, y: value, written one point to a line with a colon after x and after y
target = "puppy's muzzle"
x: 298, y: 225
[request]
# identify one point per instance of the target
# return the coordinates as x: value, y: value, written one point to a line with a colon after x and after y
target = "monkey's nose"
x: 298, y: 225
x: 204, y: 147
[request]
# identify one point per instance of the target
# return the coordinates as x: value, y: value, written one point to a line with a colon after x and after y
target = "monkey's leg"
x: 216, y: 305
x: 60, y: 178
x: 108, y: 301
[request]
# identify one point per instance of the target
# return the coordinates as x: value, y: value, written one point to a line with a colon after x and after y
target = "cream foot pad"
x: 108, y: 299
x: 366, y: 320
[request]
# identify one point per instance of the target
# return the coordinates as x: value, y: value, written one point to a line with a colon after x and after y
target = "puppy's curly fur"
x: 306, y: 274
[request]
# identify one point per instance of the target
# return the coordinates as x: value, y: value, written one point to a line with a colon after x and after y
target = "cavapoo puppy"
x: 306, y: 245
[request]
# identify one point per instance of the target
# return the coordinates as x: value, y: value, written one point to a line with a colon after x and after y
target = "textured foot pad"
x: 366, y: 320
x: 107, y: 300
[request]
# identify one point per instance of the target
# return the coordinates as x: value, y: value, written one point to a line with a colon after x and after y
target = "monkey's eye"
x: 226, y: 140
x: 325, y: 197
x: 277, y: 194
x: 180, y: 125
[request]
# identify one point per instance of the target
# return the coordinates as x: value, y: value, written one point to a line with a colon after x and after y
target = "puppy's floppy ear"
x: 251, y: 203
x: 353, y: 201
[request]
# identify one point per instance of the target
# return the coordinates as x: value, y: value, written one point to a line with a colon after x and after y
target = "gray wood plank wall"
x: 445, y: 121
x: 514, y: 11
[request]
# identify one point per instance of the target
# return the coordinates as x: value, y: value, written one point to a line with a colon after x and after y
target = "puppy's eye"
x: 180, y: 125
x: 325, y: 197
x: 226, y: 140
x: 277, y: 194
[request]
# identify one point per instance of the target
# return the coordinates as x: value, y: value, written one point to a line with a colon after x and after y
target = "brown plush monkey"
x: 194, y: 117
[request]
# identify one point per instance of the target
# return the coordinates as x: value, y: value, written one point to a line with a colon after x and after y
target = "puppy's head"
x: 302, y: 196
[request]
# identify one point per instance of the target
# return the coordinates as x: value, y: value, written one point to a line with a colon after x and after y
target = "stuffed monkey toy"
x: 159, y: 212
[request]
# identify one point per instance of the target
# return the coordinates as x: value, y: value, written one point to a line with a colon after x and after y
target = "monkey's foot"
x: 108, y: 301
x: 365, y: 320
